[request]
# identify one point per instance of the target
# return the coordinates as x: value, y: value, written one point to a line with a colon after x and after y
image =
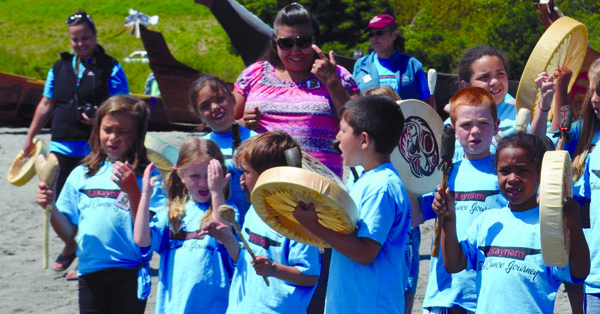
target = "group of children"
x: 121, y: 211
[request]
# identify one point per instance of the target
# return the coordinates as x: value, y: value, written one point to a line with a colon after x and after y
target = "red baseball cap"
x: 382, y: 21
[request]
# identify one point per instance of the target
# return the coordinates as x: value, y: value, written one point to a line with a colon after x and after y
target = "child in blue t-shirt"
x: 195, y: 271
x: 413, y: 243
x: 293, y: 268
x: 98, y: 202
x: 213, y: 101
x: 474, y: 117
x: 485, y: 67
x: 588, y: 188
x: 584, y: 134
x: 503, y: 245
x: 367, y: 272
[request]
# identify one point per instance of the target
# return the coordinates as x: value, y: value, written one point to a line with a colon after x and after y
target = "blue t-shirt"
x: 411, y: 248
x: 504, y: 248
x: 472, y: 198
x: 384, y: 216
x: 386, y: 75
x: 194, y: 273
x: 249, y: 293
x: 225, y: 142
x: 117, y: 85
x: 589, y: 188
x: 507, y: 114
x: 105, y: 227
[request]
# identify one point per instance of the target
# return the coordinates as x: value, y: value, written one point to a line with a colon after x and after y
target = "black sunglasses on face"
x: 74, y: 18
x: 302, y: 42
x: 376, y: 34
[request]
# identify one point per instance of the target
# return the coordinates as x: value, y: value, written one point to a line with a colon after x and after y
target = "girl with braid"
x: 213, y: 101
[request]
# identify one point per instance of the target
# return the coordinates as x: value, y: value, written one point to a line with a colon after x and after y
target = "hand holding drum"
x: 447, y: 152
x: 556, y: 187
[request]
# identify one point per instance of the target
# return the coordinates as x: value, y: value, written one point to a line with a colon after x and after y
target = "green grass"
x: 34, y: 32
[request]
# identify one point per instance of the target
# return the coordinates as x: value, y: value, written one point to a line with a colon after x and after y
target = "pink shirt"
x: 303, y: 109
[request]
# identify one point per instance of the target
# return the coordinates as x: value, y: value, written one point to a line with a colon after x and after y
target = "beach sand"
x: 27, y: 288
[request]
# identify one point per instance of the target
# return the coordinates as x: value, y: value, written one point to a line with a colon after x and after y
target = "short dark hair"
x: 378, y: 116
x: 532, y: 144
x: 291, y: 15
x: 465, y: 70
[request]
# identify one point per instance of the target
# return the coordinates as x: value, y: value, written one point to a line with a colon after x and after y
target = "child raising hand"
x: 195, y: 271
x: 515, y: 229
x: 98, y: 203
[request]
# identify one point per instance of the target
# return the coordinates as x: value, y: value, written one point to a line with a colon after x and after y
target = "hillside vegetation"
x: 35, y: 31
x: 436, y: 32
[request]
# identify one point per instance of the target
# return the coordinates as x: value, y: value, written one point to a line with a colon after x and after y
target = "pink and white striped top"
x: 303, y: 109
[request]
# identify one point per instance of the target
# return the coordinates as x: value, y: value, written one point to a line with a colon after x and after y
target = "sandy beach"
x: 27, y: 288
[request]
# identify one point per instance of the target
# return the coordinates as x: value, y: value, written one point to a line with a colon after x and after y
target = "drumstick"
x: 228, y: 214
x: 523, y: 120
x: 566, y: 118
x: 47, y: 169
x: 447, y: 153
x: 431, y: 81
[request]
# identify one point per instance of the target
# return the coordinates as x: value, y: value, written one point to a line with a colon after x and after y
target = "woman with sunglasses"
x: 387, y: 65
x: 296, y: 88
x: 75, y: 86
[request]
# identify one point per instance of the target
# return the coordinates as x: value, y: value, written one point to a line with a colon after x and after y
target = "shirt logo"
x: 474, y: 195
x: 261, y: 241
x: 184, y: 235
x: 95, y: 193
x: 518, y: 253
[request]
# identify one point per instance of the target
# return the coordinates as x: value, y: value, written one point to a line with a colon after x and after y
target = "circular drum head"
x: 161, y: 153
x: 554, y: 189
x: 278, y: 190
x: 22, y: 169
x: 563, y: 43
x: 417, y: 156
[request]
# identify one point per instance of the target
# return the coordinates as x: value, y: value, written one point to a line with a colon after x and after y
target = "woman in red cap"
x: 387, y: 65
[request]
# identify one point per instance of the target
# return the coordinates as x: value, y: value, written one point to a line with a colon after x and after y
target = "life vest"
x: 93, y: 89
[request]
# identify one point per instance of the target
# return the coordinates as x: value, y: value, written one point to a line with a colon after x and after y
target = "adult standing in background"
x: 296, y: 88
x: 76, y: 85
x: 387, y: 65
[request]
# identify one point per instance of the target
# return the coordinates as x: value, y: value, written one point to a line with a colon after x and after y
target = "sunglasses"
x: 74, y: 18
x: 302, y: 42
x: 376, y: 34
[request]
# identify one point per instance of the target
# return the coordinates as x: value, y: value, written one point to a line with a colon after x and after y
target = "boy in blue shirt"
x: 293, y: 268
x: 367, y: 272
x: 474, y: 116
